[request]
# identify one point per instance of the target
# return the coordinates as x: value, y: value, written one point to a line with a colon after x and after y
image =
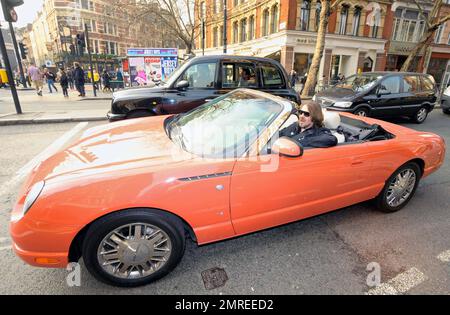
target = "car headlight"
x: 33, y: 194
x: 343, y: 104
x: 314, y: 98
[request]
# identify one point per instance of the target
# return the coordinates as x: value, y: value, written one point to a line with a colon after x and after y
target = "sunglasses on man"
x: 301, y: 112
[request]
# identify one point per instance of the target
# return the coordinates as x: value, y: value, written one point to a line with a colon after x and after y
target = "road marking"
x: 444, y: 256
x: 51, y: 149
x: 402, y: 283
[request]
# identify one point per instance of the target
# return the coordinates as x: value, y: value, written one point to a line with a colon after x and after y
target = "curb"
x: 95, y: 99
x: 48, y: 121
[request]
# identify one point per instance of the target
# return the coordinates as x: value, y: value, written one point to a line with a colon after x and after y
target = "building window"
x: 251, y: 29
x: 409, y: 26
x: 344, y: 19
x: 304, y: 15
x: 91, y: 25
x: 235, y: 32
x: 274, y: 22
x: 243, y: 30
x: 217, y: 6
x: 374, y: 31
x: 438, y: 34
x: 215, y: 37
x: 85, y: 4
x: 356, y: 21
x: 110, y: 29
x: 318, y: 9
x: 265, y: 24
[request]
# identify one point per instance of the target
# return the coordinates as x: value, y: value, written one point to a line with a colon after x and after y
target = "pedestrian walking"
x: 50, y: 77
x: 78, y: 76
x: 119, y: 78
x: 64, y: 82
x: 36, y: 76
x: 302, y: 83
x: 293, y: 77
x: 69, y: 73
x: 106, y: 81
x: 17, y: 78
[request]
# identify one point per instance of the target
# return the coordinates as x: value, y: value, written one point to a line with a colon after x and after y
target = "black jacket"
x: 78, y: 76
x: 64, y: 81
x: 315, y: 137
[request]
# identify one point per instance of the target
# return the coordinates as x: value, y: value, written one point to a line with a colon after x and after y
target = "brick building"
x: 113, y: 28
x: 362, y: 35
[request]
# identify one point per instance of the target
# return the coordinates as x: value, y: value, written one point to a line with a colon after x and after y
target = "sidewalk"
x: 52, y: 117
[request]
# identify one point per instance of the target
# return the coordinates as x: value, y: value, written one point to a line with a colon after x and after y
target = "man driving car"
x: 309, y: 130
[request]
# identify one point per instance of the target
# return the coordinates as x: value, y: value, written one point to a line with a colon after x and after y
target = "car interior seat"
x: 332, y: 121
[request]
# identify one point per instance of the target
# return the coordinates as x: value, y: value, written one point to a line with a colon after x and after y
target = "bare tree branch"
x: 440, y: 22
x: 422, y: 13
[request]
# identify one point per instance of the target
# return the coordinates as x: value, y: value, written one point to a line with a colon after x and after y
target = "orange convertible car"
x: 125, y: 196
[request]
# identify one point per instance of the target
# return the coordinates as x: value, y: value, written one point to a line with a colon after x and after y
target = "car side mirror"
x: 287, y: 147
x: 183, y: 84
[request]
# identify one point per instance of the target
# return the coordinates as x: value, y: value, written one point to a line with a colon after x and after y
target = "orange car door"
x: 289, y: 189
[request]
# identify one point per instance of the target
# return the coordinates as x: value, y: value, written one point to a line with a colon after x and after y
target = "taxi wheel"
x: 363, y: 112
x: 133, y: 247
x: 399, y: 188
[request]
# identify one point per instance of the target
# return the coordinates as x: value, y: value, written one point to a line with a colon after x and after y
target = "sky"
x: 26, y: 12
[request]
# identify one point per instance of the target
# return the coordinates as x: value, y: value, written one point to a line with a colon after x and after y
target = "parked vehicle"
x: 445, y: 101
x: 125, y: 196
x: 383, y: 94
x: 200, y: 80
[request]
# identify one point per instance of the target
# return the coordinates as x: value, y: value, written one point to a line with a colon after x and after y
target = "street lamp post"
x: 225, y: 26
x: 16, y: 50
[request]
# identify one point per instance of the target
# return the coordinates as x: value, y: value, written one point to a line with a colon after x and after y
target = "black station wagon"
x: 383, y: 94
x: 200, y: 80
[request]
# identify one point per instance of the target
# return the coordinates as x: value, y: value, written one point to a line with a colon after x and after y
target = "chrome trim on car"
x: 200, y: 177
x: 112, y: 116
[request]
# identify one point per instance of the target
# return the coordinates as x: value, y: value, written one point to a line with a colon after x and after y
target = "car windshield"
x: 359, y: 83
x: 225, y: 127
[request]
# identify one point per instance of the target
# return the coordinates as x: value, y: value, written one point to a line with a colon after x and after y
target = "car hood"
x: 336, y: 93
x: 137, y: 143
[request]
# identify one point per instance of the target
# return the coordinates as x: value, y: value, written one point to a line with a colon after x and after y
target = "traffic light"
x: 23, y: 50
x: 81, y: 43
x: 8, y: 9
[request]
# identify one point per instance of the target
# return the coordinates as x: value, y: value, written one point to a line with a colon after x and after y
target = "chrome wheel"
x: 421, y: 114
x: 361, y: 113
x: 134, y: 251
x: 401, y: 187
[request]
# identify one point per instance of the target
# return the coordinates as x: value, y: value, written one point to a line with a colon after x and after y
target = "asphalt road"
x: 330, y: 254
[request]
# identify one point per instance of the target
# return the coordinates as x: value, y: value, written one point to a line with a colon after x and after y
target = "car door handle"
x: 357, y: 162
x: 208, y: 100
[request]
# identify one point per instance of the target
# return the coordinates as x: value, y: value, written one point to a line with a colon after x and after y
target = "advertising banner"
x: 148, y: 66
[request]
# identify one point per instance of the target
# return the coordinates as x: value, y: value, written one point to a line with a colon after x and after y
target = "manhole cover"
x: 214, y: 278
